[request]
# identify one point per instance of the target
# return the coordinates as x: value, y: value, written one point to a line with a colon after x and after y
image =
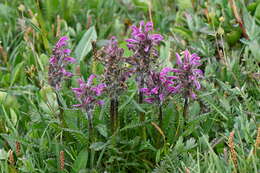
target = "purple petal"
x: 66, y: 51
x: 167, y: 70
x: 155, y: 90
x: 135, y: 30
x: 178, y: 60
x: 62, y: 41
x: 149, y: 100
x: 70, y: 59
x: 161, y: 96
x: 193, y: 95
x: 90, y: 80
x: 141, y: 24
x: 148, y: 26
x: 77, y: 105
x: 130, y: 40
x: 99, y: 89
x: 100, y: 102
x: 197, y: 84
x: 172, y: 77
x: 156, y: 37
x: 175, y: 70
x: 66, y: 73
x: 130, y: 46
x: 146, y: 49
x: 53, y: 60
x: 186, y: 56
x: 140, y: 36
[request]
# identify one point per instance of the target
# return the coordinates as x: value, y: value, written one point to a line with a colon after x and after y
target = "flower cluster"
x: 159, y: 85
x: 142, y: 43
x: 115, y: 74
x: 187, y: 73
x: 87, y: 93
x: 59, y: 60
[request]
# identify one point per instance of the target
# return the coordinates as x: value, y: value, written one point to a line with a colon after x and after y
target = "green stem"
x: 160, y: 116
x: 186, y: 108
x: 61, y: 111
x: 142, y: 116
x: 90, y: 125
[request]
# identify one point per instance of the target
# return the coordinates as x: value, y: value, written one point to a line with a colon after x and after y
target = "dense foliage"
x: 130, y: 86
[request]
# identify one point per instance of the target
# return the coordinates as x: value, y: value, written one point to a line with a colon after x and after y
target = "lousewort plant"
x: 115, y: 76
x: 57, y: 73
x: 159, y: 85
x: 142, y: 43
x: 59, y: 60
x: 88, y: 96
x: 187, y: 75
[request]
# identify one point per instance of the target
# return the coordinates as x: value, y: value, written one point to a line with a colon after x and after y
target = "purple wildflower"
x: 159, y: 86
x: 187, y: 73
x: 87, y: 93
x: 115, y: 73
x: 143, y: 43
x: 59, y: 60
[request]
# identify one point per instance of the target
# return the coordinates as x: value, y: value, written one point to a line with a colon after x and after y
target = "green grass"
x: 229, y: 100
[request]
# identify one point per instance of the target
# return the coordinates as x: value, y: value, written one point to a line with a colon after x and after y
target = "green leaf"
x: 84, y: 46
x: 137, y: 106
x: 13, y: 116
x: 102, y: 129
x: 97, y: 146
x: 81, y: 161
x: 16, y: 72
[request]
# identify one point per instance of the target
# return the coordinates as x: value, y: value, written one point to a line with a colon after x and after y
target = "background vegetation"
x: 220, y: 135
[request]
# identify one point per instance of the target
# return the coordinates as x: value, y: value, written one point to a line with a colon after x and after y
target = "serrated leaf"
x: 84, y: 46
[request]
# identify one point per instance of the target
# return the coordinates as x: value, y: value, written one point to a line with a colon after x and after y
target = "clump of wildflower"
x: 187, y: 73
x: 59, y: 60
x: 87, y: 94
x: 143, y: 43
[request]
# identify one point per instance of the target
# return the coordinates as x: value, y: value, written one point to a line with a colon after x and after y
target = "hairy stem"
x: 113, y: 114
x: 186, y: 108
x: 160, y: 116
x: 142, y: 114
x: 61, y: 110
x: 90, y: 124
